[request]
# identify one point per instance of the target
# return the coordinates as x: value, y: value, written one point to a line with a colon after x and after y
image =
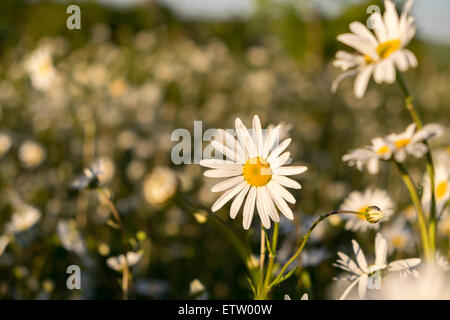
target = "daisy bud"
x: 373, y: 214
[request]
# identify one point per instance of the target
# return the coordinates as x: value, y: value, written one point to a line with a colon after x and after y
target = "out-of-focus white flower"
x: 23, y: 219
x: 399, y: 236
x: 441, y: 188
x: 411, y: 141
x: 5, y: 143
x: 70, y: 236
x: 304, y: 297
x: 100, y: 172
x: 433, y: 284
x: 360, y: 201
x: 361, y: 272
x: 31, y: 154
x: 119, y: 263
x: 196, y: 287
x: 381, y: 149
x: 380, y: 53
x: 442, y: 262
x: 39, y: 66
x: 4, y: 241
x: 160, y: 186
x: 254, y: 171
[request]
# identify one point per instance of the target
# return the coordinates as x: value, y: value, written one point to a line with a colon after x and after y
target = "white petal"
x: 237, y: 202
x: 218, y: 163
x: 278, y: 150
x: 265, y: 220
x: 269, y: 205
x: 290, y: 170
x: 258, y: 134
x: 227, y: 184
x: 281, y: 160
x: 380, y: 250
x: 283, y: 192
x: 362, y: 263
x: 249, y: 208
x: 360, y: 29
x: 279, y: 201
x: 227, y: 196
x: 361, y: 81
x: 270, y: 140
x: 362, y: 286
x: 245, y: 139
x: 233, y: 144
x: 350, y: 287
x: 220, y: 173
x: 230, y: 154
x: 287, y: 182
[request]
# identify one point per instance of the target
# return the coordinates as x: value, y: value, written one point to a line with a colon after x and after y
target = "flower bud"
x: 373, y: 214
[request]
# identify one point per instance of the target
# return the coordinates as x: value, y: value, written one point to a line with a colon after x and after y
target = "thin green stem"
x: 416, y: 201
x: 430, y: 167
x: 262, y: 256
x: 272, y: 255
x: 305, y: 238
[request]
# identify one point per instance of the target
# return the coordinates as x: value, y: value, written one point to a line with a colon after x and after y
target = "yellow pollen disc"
x: 362, y: 210
x: 257, y: 172
x: 44, y: 67
x: 401, y: 143
x: 383, y: 150
x: 385, y: 49
x: 441, y: 188
x: 368, y: 59
x: 398, y: 241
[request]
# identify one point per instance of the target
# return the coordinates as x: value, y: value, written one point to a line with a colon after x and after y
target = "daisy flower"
x: 411, y: 141
x: 23, y: 219
x: 441, y: 188
x: 119, y: 263
x: 399, y: 236
x: 361, y: 272
x: 360, y: 201
x: 39, y: 66
x: 381, y: 149
x: 304, y: 297
x: 380, y: 53
x: 256, y: 173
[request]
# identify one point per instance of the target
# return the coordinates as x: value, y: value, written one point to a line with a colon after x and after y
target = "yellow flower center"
x: 44, y: 67
x: 401, y: 143
x: 383, y: 150
x: 385, y: 49
x: 362, y: 210
x: 257, y: 172
x: 441, y: 189
x: 398, y: 241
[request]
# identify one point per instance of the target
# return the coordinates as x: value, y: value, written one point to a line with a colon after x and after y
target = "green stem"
x: 262, y: 256
x: 279, y: 278
x: 430, y: 167
x: 415, y: 199
x: 272, y: 250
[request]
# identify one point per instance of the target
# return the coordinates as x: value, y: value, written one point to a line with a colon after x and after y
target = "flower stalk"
x: 430, y: 167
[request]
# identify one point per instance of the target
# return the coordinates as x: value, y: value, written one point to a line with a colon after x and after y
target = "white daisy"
x: 399, y: 236
x: 441, y: 188
x: 256, y: 171
x: 380, y: 53
x: 118, y: 263
x: 23, y: 219
x: 304, y: 297
x: 39, y: 66
x: 362, y: 274
x: 411, y: 141
x: 381, y: 149
x: 360, y: 201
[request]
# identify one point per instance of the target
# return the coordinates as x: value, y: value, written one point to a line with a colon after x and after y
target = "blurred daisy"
x: 160, y: 186
x: 23, y: 219
x: 363, y: 274
x: 304, y: 297
x: 39, y: 66
x: 89, y: 178
x: 380, y: 53
x: 399, y: 236
x: 442, y: 262
x: 441, y: 188
x: 381, y: 149
x: 118, y: 263
x: 360, y: 201
x: 70, y: 236
x: 411, y: 141
x: 4, y: 241
x: 31, y: 154
x: 256, y: 170
x: 433, y: 284
x: 5, y: 143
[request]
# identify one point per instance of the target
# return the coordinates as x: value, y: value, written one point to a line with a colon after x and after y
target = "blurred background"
x: 136, y: 70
